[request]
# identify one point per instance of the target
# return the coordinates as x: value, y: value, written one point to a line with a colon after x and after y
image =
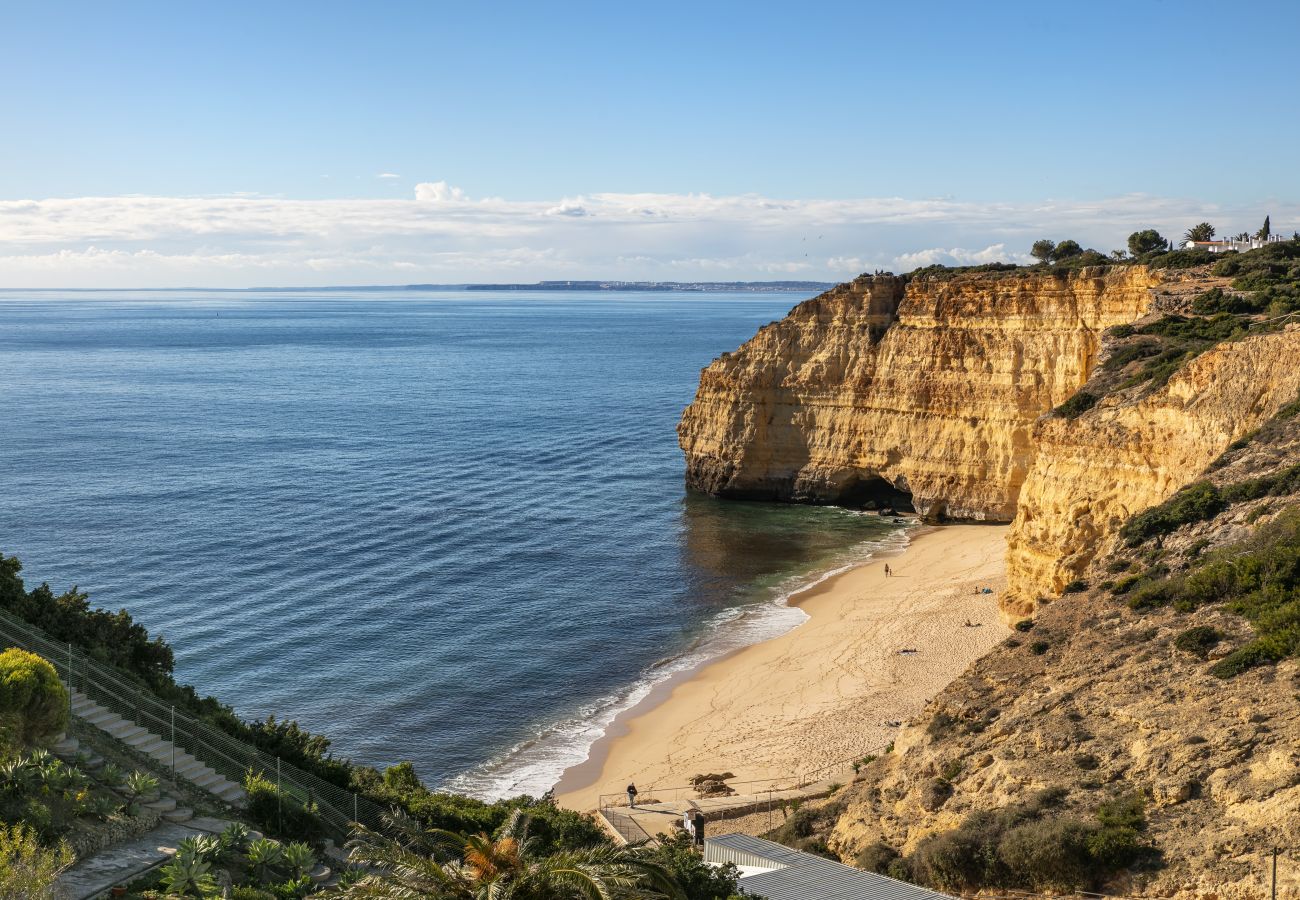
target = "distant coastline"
x: 755, y: 287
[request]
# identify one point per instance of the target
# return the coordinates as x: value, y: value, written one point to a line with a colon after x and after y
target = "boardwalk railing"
x: 227, y: 755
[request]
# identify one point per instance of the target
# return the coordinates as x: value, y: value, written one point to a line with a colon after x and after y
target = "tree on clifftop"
x: 1201, y: 232
x: 1042, y: 250
x: 1065, y: 250
x: 1140, y: 242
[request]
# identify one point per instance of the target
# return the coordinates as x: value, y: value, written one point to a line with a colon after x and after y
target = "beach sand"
x: 810, y: 701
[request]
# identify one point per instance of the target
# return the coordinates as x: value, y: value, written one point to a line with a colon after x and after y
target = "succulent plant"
x: 111, y: 775
x: 187, y: 876
x: 234, y: 838
x: 264, y: 857
x: 202, y: 847
x: 299, y: 858
x: 140, y: 784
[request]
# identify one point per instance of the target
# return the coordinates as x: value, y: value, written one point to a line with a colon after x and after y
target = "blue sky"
x: 1026, y: 117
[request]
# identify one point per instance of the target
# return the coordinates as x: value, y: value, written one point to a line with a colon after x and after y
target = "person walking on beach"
x: 697, y: 823
x: 886, y: 570
x: 631, y: 795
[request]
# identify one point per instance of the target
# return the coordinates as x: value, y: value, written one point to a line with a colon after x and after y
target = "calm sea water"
x: 449, y: 528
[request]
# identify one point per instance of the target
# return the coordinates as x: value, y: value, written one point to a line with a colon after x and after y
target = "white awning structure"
x: 775, y: 871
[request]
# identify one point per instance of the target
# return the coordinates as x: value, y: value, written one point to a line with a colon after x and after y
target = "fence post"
x: 279, y: 798
x: 173, y: 743
x: 355, y: 817
x: 69, y: 680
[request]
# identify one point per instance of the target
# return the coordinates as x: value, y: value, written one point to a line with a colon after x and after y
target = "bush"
x: 1077, y: 405
x: 1198, y: 641
x: 1024, y: 625
x: 33, y: 702
x: 877, y: 858
x: 1026, y: 846
x: 1038, y: 648
x: 1194, y: 503
x: 1077, y: 586
x: 280, y: 813
x: 28, y: 869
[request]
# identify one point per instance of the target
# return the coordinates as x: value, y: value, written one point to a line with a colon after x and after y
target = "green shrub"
x: 1125, y: 584
x: 279, y: 812
x: 33, y: 702
x: 1038, y: 648
x: 1030, y: 846
x: 1194, y: 503
x: 877, y: 857
x: 1024, y: 625
x: 1077, y: 586
x: 27, y: 868
x: 1077, y: 405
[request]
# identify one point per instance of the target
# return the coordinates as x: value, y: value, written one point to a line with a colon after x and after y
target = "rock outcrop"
x: 1092, y: 473
x: 884, y: 388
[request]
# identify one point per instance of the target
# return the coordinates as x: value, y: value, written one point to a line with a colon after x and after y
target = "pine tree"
x: 1265, y: 231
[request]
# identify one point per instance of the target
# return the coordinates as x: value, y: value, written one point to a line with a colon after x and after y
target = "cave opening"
x: 874, y: 492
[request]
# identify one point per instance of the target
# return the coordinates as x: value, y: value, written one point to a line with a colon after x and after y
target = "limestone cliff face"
x: 928, y: 386
x: 1091, y: 474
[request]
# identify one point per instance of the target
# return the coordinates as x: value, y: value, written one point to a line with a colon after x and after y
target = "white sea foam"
x: 534, y: 765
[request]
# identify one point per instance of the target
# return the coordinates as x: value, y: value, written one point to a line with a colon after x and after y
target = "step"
x: 163, y: 804
x: 125, y: 730
x: 189, y: 767
x: 208, y: 778
x: 104, y: 718
x: 232, y: 793
x: 154, y: 746
x: 84, y: 708
x: 94, y: 763
x: 65, y: 747
x: 320, y: 874
x: 179, y: 814
x: 139, y: 740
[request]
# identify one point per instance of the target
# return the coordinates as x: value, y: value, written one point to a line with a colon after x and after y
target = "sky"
x: 280, y: 143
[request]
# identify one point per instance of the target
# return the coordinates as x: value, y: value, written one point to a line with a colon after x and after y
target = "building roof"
x: 793, y: 875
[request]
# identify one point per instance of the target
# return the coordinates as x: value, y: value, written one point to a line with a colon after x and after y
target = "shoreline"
x: 822, y: 693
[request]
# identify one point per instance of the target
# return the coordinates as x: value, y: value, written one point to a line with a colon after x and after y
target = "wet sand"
x: 810, y: 701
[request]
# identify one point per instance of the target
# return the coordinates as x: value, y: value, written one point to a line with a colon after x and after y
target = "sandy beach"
x: 824, y: 693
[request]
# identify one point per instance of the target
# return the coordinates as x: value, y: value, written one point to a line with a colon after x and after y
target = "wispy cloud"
x: 387, y: 175
x: 444, y: 235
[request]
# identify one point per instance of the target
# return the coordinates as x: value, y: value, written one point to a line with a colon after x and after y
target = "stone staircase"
x: 187, y: 766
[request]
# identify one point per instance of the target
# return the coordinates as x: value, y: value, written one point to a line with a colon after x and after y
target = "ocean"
x: 449, y: 528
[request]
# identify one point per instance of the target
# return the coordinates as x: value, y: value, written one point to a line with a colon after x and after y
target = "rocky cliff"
x: 1134, y: 449
x: 887, y: 387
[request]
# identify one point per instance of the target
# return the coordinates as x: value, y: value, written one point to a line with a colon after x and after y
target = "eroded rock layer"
x: 1091, y: 474
x: 929, y: 387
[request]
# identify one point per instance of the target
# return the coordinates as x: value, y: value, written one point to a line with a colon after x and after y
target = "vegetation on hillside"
x: 51, y: 795
x: 33, y: 702
x: 409, y: 860
x: 1036, y: 844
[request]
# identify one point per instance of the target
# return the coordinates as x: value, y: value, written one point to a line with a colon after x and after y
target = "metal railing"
x: 226, y: 755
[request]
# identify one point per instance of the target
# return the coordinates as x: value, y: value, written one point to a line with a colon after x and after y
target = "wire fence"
x: 226, y: 755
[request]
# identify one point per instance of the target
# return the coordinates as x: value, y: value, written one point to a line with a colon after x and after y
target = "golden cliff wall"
x: 1090, y: 474
x: 932, y: 386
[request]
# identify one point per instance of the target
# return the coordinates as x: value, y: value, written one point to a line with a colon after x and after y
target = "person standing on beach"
x: 631, y: 795
x: 886, y: 570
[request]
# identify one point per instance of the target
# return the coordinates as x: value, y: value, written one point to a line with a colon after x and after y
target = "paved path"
x: 647, y: 820
x: 126, y: 862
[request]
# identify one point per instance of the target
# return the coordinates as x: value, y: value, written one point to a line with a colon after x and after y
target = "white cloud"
x: 568, y: 207
x: 438, y: 192
x: 958, y: 256
x: 387, y: 175
x: 442, y: 235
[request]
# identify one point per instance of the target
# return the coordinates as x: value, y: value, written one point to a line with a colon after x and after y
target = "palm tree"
x: 410, y: 861
x: 1201, y: 232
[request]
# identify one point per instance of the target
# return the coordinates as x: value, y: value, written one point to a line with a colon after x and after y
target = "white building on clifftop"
x: 1253, y: 243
